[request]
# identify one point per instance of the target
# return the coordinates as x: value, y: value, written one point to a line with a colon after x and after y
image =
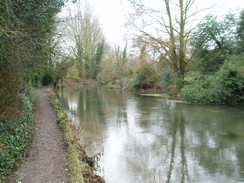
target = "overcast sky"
x: 112, y: 15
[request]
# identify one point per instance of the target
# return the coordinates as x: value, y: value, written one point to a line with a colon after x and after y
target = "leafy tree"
x: 26, y: 30
x: 98, y: 59
x: 215, y: 34
x: 212, y: 41
x: 240, y: 31
x: 167, y: 77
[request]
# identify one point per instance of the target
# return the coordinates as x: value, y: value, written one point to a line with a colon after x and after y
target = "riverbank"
x: 16, y: 135
x: 81, y: 166
x: 170, y: 92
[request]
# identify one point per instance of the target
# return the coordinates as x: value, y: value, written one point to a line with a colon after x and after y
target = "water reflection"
x: 149, y: 140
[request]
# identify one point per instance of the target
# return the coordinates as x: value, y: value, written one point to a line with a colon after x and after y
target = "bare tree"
x: 163, y: 27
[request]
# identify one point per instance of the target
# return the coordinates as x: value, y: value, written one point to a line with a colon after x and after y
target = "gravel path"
x: 46, y: 162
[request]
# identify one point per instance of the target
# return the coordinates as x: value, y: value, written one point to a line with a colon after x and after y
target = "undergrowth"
x: 15, y: 134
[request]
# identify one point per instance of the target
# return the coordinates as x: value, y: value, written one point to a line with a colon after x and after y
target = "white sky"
x: 112, y: 15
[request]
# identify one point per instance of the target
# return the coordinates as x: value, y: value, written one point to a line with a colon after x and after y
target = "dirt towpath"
x: 46, y: 161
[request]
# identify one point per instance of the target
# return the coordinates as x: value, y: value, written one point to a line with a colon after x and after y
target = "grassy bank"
x: 80, y: 164
x: 15, y: 134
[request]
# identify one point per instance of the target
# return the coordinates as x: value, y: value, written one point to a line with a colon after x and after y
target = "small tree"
x: 98, y: 59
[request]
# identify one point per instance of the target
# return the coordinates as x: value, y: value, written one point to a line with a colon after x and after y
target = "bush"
x: 230, y: 79
x: 199, y: 91
x: 224, y: 86
x: 145, y: 78
x: 167, y: 77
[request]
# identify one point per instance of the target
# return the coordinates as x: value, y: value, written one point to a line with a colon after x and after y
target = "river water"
x: 153, y: 140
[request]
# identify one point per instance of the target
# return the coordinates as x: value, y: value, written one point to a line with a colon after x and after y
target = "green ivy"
x: 15, y: 134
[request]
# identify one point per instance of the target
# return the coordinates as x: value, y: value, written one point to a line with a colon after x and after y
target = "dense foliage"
x: 216, y: 75
x: 167, y: 77
x: 224, y: 86
x: 26, y: 36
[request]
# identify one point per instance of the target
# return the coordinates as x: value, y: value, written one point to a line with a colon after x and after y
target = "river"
x: 153, y: 140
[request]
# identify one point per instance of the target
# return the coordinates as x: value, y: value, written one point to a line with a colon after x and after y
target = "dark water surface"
x: 152, y: 140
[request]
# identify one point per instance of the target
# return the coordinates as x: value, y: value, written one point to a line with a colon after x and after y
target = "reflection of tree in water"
x: 194, y: 136
x: 150, y: 140
x: 70, y: 103
x: 178, y: 126
x: 212, y: 148
x: 146, y: 107
x: 240, y: 155
x: 95, y: 108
